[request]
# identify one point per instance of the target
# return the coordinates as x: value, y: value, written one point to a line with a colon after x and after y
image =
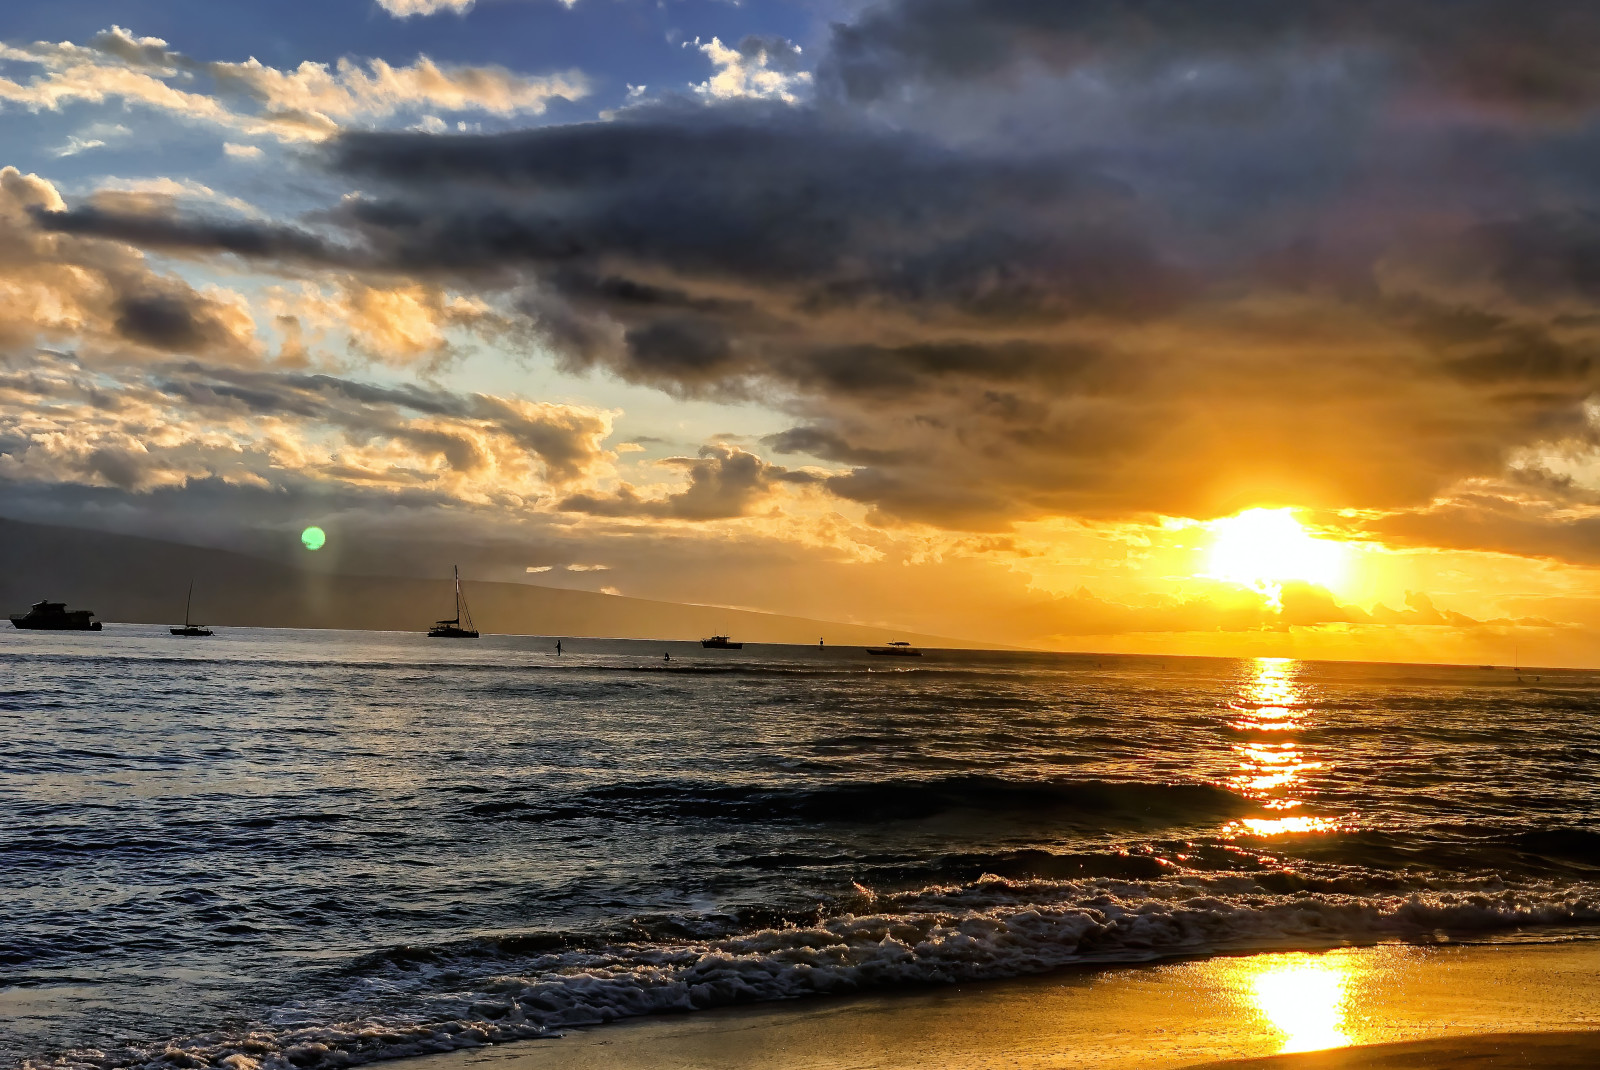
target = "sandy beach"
x: 1405, y: 1008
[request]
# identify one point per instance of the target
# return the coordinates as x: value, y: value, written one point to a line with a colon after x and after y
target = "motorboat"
x: 55, y: 616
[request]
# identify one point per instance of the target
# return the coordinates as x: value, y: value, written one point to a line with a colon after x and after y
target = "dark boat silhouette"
x: 721, y: 642
x: 454, y: 628
x: 54, y: 616
x: 897, y: 649
x: 189, y: 629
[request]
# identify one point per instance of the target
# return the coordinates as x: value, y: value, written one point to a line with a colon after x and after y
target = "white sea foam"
x: 992, y: 929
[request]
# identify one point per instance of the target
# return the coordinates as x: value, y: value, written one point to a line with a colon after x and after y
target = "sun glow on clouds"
x: 1263, y: 548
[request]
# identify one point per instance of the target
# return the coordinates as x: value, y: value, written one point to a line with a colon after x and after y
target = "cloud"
x: 241, y: 152
x: 724, y: 482
x: 161, y: 195
x: 394, y: 322
x: 102, y: 296
x: 172, y: 425
x: 1023, y: 260
x: 1485, y: 51
x: 94, y: 136
x: 307, y: 103
x: 761, y: 68
x: 76, y: 144
x: 984, y: 338
x: 1303, y: 607
x: 404, y: 9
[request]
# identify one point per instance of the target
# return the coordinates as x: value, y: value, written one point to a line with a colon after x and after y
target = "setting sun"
x: 1260, y: 547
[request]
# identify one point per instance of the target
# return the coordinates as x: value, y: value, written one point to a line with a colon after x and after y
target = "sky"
x: 1171, y: 326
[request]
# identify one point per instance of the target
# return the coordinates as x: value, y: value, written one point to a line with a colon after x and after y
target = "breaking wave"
x: 528, y: 987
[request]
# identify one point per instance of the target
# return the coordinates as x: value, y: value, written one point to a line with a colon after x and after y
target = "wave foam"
x: 989, y: 930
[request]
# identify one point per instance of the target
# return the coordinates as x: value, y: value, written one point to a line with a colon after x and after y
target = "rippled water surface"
x: 301, y: 848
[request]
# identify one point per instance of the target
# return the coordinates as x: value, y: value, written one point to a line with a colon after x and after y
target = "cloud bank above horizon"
x: 998, y: 288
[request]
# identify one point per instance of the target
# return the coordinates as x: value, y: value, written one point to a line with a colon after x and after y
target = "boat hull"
x: 190, y: 630
x: 452, y: 633
x: 56, y: 625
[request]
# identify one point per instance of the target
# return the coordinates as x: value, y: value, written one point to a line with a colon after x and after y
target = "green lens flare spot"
x: 313, y: 538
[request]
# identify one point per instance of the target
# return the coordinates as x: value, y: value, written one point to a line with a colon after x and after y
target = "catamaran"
x: 454, y: 628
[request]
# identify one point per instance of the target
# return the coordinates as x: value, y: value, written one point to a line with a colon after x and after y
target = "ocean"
x: 308, y: 849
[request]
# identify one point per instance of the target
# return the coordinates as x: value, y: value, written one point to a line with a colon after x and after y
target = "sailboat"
x: 189, y: 629
x: 460, y: 625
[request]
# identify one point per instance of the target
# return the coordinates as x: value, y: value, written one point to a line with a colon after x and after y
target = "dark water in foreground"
x: 311, y: 849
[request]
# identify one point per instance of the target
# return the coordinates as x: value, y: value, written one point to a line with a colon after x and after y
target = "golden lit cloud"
x: 104, y: 297
x: 309, y: 102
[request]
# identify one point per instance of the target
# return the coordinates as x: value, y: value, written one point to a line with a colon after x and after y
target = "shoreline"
x: 1380, y: 1007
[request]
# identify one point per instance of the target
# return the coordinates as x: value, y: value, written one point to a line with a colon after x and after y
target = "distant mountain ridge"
x: 140, y: 580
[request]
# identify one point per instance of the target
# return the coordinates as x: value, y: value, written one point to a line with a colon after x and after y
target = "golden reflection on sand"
x: 1305, y: 998
x: 1272, y: 769
x: 1305, y: 1001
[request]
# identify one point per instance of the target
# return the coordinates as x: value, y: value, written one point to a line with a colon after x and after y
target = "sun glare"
x: 1304, y: 998
x: 1262, y: 547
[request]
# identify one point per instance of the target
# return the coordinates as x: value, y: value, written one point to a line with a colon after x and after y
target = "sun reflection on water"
x: 1272, y: 768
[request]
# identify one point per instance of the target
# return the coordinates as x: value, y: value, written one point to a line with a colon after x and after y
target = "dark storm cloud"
x: 1025, y: 258
x: 827, y: 445
x: 177, y: 322
x: 832, y: 216
x: 1504, y: 52
x: 680, y: 350
x: 154, y: 230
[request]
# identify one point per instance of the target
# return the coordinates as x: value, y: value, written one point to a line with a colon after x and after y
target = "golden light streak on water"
x: 1273, y: 770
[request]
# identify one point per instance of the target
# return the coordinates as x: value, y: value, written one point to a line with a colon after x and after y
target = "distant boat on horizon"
x: 54, y: 616
x: 453, y: 628
x: 721, y: 642
x: 188, y: 628
x: 897, y: 649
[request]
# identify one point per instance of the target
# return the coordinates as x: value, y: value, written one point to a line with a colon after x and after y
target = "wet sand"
x: 1500, y: 1051
x: 1394, y: 1008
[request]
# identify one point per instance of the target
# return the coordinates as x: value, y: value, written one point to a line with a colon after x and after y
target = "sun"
x: 1263, y: 547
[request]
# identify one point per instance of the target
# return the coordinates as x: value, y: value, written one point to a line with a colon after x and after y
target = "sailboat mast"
x: 187, y: 602
x: 458, y: 593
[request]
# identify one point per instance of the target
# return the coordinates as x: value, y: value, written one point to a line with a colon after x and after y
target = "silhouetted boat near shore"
x: 896, y: 649
x: 54, y: 616
x: 454, y: 628
x: 189, y: 629
x: 721, y: 642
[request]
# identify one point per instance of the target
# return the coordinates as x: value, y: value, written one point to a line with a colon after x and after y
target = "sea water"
x: 307, y: 849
